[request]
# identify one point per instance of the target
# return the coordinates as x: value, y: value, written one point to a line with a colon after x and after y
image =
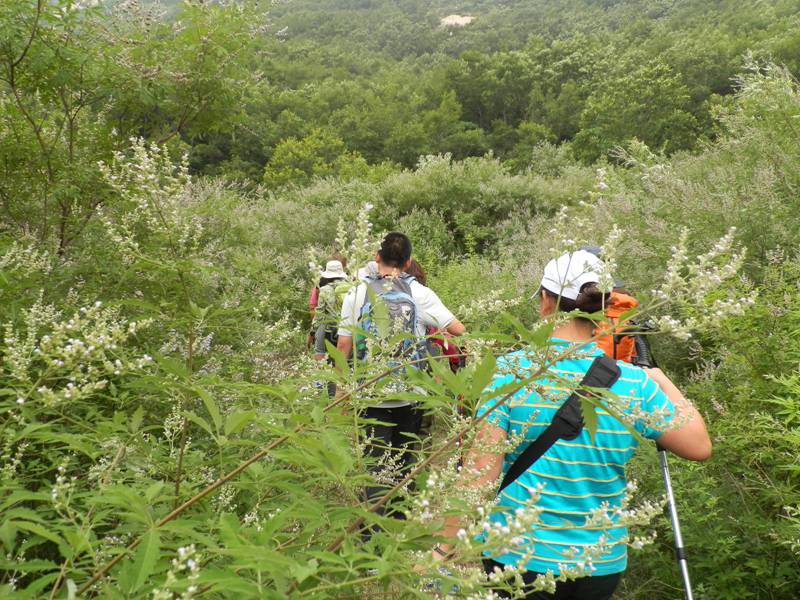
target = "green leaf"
x: 144, y: 561
x: 237, y: 421
x: 198, y: 420
x: 78, y: 539
x: 197, y: 311
x: 8, y: 534
x: 317, y: 414
x: 440, y: 369
x: 211, y: 407
x: 301, y: 572
x: 589, y: 416
x: 153, y: 490
x: 483, y: 375
x: 136, y: 419
x: 173, y: 366
x: 339, y: 359
x: 37, y: 529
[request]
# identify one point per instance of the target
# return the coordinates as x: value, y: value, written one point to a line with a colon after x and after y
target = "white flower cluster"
x: 226, y: 499
x: 13, y: 575
x: 568, y: 227
x: 28, y: 259
x: 269, y: 354
x: 155, y: 192
x: 178, y: 342
x: 255, y: 520
x: 61, y: 492
x: 357, y: 241
x: 78, y: 357
x: 624, y: 514
x: 601, y: 176
x: 11, y: 459
x: 491, y: 304
x: 433, y: 499
x: 101, y: 471
x: 695, y: 287
x: 187, y: 563
x: 173, y: 425
x: 608, y: 252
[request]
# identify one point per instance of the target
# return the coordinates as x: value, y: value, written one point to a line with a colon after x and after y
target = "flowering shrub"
x: 162, y: 432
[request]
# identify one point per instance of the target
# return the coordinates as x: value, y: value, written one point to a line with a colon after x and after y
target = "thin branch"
x: 34, y: 31
x: 185, y: 426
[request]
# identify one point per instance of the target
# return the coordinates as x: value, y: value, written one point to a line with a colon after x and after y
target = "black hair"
x: 590, y: 300
x: 395, y: 250
x: 323, y: 281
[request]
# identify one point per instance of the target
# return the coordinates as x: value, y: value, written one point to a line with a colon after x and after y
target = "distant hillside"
x: 384, y: 82
x: 410, y: 27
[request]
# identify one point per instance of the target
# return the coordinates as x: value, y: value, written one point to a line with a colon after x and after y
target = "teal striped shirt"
x: 577, y: 475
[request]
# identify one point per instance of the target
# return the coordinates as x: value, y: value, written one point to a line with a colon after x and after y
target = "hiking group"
x: 574, y: 473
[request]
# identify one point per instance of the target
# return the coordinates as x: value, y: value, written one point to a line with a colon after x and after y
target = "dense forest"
x: 171, y: 175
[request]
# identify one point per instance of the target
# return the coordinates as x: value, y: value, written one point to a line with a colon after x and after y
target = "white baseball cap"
x: 567, y: 274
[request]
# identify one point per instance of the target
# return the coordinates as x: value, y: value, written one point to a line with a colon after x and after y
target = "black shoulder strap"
x: 567, y: 423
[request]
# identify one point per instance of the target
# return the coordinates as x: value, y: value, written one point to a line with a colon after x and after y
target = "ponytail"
x: 590, y: 300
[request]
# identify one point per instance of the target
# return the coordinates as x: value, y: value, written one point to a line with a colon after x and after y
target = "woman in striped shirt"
x: 580, y: 481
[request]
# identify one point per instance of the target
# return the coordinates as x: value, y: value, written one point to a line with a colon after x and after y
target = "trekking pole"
x: 680, y: 552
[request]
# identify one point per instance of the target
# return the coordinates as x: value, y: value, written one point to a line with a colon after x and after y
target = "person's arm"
x: 690, y: 440
x: 456, y: 327
x: 489, y: 465
x: 313, y: 300
x: 347, y: 323
x: 345, y: 345
x: 435, y: 314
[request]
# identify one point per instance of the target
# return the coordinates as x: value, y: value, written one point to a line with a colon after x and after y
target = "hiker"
x: 578, y: 475
x: 333, y: 286
x: 313, y: 299
x: 390, y: 441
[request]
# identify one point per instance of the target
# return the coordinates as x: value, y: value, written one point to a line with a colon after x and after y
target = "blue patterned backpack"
x: 390, y: 311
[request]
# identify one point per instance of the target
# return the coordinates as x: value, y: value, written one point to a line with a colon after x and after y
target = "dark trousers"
x: 600, y: 587
x: 391, y: 446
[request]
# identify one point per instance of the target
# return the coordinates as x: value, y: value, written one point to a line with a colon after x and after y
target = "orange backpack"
x: 614, y: 340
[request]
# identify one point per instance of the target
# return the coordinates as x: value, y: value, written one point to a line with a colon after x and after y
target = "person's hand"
x: 442, y: 552
x: 439, y: 554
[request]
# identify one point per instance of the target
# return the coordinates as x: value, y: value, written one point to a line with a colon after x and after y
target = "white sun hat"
x: 567, y: 274
x: 334, y: 270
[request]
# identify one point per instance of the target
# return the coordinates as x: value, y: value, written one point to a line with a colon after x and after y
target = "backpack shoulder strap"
x: 567, y: 423
x: 362, y: 296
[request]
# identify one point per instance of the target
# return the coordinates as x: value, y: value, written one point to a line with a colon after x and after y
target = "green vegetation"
x: 154, y: 306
